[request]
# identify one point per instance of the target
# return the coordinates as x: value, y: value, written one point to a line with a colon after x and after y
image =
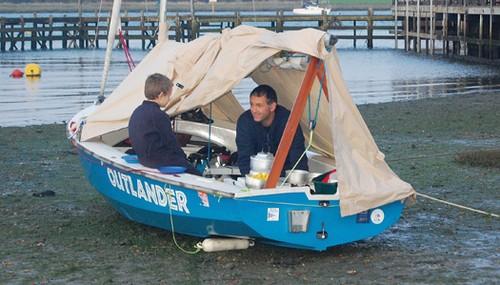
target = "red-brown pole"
x: 292, y: 123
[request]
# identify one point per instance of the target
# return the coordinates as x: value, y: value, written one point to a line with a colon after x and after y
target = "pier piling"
x: 458, y: 24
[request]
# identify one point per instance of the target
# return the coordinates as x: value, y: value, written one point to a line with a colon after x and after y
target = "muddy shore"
x: 75, y: 237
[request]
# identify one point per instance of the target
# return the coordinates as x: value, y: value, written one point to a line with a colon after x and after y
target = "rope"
x: 422, y: 156
x: 209, y: 144
x: 77, y: 131
x: 97, y: 25
x: 128, y: 56
x: 300, y: 158
x: 173, y: 229
x: 319, y: 96
x: 458, y: 206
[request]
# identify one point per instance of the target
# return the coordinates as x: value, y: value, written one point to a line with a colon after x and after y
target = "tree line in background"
x: 331, y: 2
x: 136, y: 1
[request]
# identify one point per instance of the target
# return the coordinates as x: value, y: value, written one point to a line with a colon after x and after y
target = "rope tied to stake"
x: 458, y: 205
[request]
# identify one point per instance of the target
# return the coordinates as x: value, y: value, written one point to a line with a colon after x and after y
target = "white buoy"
x: 221, y: 244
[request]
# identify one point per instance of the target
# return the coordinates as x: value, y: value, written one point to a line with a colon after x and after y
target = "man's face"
x: 261, y: 111
x: 164, y: 98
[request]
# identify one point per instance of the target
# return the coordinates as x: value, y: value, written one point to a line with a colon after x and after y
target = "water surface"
x: 71, y: 78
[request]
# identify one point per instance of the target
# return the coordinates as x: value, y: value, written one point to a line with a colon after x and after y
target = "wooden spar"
x: 292, y: 123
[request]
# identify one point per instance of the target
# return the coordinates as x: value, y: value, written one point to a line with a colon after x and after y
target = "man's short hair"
x: 265, y: 90
x: 155, y: 84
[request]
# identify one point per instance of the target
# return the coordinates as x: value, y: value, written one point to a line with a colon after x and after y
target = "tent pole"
x: 292, y: 123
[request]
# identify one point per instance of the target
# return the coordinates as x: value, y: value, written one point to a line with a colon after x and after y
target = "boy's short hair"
x: 155, y: 84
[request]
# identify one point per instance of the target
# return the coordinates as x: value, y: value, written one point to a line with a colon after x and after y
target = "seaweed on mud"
x: 482, y: 158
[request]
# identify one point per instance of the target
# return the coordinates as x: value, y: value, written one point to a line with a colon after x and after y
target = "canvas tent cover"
x: 209, y: 67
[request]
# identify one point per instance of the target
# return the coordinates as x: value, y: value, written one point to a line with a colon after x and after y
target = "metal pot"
x: 297, y: 177
x: 254, y: 183
x: 261, y: 162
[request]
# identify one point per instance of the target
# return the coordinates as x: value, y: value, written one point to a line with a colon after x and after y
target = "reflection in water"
x: 32, y: 85
x: 412, y: 89
x: 71, y: 80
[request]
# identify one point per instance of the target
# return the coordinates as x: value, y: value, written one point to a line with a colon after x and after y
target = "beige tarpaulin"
x: 365, y: 179
x: 209, y: 67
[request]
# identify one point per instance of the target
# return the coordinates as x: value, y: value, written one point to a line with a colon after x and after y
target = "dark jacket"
x: 153, y: 140
x: 252, y: 137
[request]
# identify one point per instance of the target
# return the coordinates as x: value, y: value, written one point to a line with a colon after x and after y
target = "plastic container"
x: 131, y: 158
x: 172, y: 169
x: 325, y: 188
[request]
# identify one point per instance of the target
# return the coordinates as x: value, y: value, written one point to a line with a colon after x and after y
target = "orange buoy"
x: 16, y: 73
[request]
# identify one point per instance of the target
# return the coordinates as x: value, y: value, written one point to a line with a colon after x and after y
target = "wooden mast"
x: 162, y: 22
x: 314, y: 69
x: 113, y: 27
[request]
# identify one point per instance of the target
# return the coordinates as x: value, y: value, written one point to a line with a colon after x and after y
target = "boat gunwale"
x: 150, y: 175
x: 236, y: 195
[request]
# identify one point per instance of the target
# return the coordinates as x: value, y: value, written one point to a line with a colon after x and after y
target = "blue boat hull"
x: 196, y: 213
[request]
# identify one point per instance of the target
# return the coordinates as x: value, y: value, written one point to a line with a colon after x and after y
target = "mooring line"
x: 422, y: 156
x: 197, y: 249
x: 458, y: 206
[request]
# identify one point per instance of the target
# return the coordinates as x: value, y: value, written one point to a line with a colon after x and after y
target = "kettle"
x: 261, y: 162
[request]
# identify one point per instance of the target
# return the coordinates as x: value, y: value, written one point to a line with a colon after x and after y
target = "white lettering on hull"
x: 152, y: 193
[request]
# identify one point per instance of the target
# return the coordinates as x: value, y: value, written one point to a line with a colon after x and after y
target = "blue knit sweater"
x: 153, y: 140
x: 252, y: 137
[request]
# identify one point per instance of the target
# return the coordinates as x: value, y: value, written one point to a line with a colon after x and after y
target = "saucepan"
x: 297, y: 177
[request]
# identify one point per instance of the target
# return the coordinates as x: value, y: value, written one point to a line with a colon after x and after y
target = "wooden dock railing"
x: 87, y: 32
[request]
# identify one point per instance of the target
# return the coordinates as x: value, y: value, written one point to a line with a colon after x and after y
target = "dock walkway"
x: 88, y: 32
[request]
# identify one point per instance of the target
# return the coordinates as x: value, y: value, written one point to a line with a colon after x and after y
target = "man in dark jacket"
x: 261, y: 129
x: 150, y: 129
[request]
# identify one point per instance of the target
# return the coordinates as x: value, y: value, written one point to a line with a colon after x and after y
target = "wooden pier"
x: 36, y: 33
x: 466, y: 28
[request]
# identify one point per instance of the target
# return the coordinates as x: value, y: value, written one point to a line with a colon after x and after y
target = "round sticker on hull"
x: 377, y: 216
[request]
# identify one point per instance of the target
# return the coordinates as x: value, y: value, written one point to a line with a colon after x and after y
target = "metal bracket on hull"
x: 322, y: 234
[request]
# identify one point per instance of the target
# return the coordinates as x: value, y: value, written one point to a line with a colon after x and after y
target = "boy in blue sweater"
x: 150, y: 128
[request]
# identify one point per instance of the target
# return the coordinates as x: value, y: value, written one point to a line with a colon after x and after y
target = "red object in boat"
x: 225, y: 158
x: 16, y: 73
x: 327, y: 177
